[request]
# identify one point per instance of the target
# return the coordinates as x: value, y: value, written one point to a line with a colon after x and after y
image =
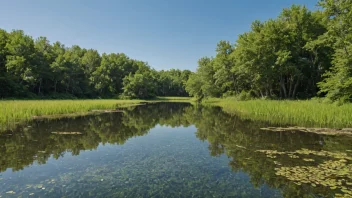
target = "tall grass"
x: 12, y: 112
x: 308, y: 113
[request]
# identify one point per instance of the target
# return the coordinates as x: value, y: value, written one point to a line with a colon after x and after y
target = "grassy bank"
x: 299, y: 113
x: 16, y: 111
x: 13, y: 112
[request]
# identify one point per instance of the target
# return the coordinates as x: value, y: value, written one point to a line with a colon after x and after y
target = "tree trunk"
x: 295, y: 88
x: 261, y: 93
x: 280, y: 92
x: 282, y: 83
x: 55, y: 84
x: 291, y: 87
x: 40, y: 85
x: 67, y: 86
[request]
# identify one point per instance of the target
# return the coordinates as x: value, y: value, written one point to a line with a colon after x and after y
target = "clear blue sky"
x: 165, y: 33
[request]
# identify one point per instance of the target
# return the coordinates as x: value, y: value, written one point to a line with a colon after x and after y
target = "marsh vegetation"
x: 13, y: 112
x: 19, y: 111
x: 304, y: 113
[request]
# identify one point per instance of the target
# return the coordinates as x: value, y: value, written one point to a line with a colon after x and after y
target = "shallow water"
x: 167, y: 150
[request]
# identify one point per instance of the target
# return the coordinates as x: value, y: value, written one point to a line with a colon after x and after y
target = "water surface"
x: 165, y: 150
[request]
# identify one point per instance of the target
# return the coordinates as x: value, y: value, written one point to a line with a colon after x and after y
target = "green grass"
x: 13, y: 112
x: 17, y: 111
x: 299, y: 113
x: 308, y: 113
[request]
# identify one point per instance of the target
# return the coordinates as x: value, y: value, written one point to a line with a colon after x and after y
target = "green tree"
x: 338, y: 82
x: 194, y: 86
x: 58, y: 66
x: 20, y: 60
x: 139, y: 85
x: 30, y: 68
x: 280, y: 57
x: 108, y: 77
x: 90, y: 61
x: 202, y: 84
x: 172, y: 82
x: 223, y: 63
x: 44, y: 57
x: 7, y: 84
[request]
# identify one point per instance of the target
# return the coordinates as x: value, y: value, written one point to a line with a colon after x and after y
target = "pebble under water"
x: 168, y: 150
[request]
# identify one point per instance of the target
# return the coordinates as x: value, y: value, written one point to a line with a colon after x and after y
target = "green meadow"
x: 306, y: 113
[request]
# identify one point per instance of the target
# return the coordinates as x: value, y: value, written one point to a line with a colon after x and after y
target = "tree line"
x: 32, y: 68
x: 299, y: 54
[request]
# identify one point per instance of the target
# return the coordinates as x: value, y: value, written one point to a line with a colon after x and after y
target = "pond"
x: 170, y: 150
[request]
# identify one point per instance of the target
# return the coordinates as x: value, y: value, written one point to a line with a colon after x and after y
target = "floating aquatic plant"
x: 334, y: 173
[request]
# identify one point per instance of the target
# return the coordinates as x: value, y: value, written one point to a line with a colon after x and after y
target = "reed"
x: 17, y: 111
x: 307, y: 113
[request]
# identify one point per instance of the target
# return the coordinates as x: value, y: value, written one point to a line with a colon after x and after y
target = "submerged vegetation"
x: 307, y: 113
x: 334, y: 169
x: 274, y: 160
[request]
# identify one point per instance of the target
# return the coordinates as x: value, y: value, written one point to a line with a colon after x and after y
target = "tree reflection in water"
x: 239, y: 139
